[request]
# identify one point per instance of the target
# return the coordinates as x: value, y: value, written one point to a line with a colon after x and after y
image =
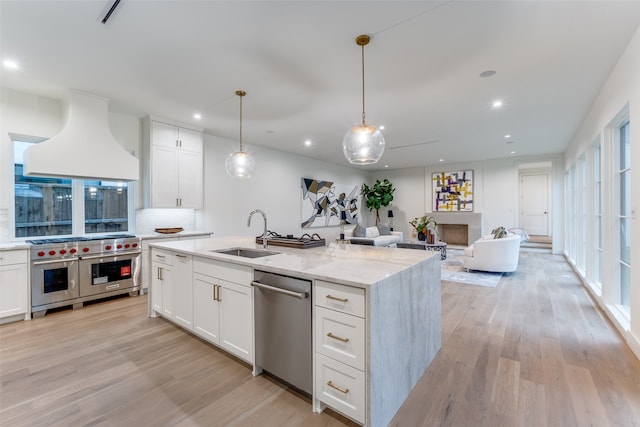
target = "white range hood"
x: 85, y: 148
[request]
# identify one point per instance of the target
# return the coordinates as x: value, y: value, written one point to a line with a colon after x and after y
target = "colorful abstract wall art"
x: 453, y: 191
x: 324, y: 201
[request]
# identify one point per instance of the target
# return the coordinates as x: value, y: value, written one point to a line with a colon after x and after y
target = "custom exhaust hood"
x: 85, y: 148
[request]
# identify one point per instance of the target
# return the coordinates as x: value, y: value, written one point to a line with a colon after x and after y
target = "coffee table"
x: 418, y: 244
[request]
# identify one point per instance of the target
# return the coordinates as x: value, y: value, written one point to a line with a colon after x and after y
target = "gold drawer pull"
x: 345, y: 340
x: 337, y: 299
x: 340, y: 389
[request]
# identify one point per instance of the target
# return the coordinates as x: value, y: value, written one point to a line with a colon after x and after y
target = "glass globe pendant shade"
x: 363, y: 144
x: 240, y: 164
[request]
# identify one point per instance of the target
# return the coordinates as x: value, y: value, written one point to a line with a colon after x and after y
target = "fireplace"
x: 454, y: 234
x: 458, y: 228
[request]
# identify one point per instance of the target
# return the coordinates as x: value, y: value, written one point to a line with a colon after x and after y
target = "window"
x: 105, y: 206
x: 51, y: 207
x: 597, y: 196
x: 624, y: 174
x: 43, y: 206
x: 580, y: 212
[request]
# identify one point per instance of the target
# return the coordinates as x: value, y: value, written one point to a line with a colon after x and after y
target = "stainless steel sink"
x: 245, y: 252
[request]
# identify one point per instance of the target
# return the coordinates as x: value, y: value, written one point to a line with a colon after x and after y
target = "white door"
x: 534, y: 204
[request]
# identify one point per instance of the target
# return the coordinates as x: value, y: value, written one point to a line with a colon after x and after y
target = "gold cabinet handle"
x: 160, y: 273
x: 340, y: 389
x: 345, y: 340
x: 329, y: 296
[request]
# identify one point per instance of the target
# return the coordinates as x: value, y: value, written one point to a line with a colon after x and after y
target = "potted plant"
x: 378, y: 195
x: 426, y: 227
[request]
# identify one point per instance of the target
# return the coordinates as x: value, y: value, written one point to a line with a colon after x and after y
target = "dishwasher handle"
x: 301, y: 295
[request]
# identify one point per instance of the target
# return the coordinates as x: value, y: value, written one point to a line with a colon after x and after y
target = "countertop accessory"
x: 169, y: 230
x: 303, y: 242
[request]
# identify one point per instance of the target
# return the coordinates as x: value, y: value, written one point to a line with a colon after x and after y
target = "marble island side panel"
x: 404, y: 335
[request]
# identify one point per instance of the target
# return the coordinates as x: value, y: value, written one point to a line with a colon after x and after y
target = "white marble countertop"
x: 354, y: 265
x: 9, y: 246
x: 154, y: 235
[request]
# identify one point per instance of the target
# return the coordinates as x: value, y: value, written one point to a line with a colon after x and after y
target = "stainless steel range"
x: 70, y: 271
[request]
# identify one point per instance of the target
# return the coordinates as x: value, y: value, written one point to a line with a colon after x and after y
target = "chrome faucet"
x: 264, y: 235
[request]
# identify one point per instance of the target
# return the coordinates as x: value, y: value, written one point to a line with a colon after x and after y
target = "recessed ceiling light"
x: 10, y: 64
x: 513, y: 152
x: 381, y: 127
x: 488, y: 73
x: 497, y: 103
x: 441, y: 160
x: 507, y: 136
x: 197, y: 116
x: 386, y: 166
x: 307, y: 143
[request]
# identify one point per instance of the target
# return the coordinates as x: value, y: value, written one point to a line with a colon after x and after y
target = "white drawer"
x: 159, y: 255
x: 13, y: 257
x: 346, y: 299
x: 341, y: 337
x: 340, y: 387
x: 223, y: 270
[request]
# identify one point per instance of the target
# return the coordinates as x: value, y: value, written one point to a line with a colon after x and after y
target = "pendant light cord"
x: 241, y: 123
x: 363, y: 115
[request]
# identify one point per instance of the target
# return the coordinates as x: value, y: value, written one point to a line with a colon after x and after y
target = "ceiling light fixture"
x: 307, y: 143
x: 497, y: 104
x: 508, y: 136
x: 10, y: 64
x: 197, y: 116
x: 363, y: 144
x: 240, y: 164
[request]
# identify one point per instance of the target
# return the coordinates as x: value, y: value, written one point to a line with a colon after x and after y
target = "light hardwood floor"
x: 532, y: 351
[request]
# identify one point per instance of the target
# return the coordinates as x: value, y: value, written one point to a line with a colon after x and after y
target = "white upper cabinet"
x: 173, y: 165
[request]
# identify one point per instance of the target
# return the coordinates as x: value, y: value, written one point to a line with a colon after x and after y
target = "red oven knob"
x: 126, y: 245
x: 135, y: 245
x: 108, y: 247
x: 85, y: 249
x: 40, y: 253
x: 73, y: 250
x: 119, y: 246
x: 62, y: 251
x: 52, y: 252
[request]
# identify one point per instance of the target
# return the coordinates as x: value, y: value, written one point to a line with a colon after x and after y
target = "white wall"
x: 274, y: 188
x: 408, y: 199
x: 621, y: 87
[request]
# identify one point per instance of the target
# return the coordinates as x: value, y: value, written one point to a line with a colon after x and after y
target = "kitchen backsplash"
x: 147, y: 220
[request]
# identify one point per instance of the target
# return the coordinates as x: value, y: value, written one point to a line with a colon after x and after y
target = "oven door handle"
x: 54, y: 261
x: 121, y: 254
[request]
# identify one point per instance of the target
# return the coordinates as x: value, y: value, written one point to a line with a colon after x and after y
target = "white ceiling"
x: 300, y: 66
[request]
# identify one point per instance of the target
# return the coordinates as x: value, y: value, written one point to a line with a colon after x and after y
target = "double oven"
x: 71, y: 271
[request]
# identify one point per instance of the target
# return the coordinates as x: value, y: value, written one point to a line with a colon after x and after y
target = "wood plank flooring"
x: 532, y: 351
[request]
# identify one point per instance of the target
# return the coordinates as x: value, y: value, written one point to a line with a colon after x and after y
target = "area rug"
x: 451, y: 269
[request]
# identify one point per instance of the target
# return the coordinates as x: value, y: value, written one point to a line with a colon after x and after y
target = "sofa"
x: 374, y: 238
x: 494, y: 255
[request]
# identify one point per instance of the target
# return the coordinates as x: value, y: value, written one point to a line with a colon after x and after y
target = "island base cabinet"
x: 223, y: 310
x: 162, y: 283
x: 340, y: 387
x: 206, y: 309
x: 236, y: 319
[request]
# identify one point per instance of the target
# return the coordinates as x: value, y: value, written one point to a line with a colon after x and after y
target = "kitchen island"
x: 401, y: 313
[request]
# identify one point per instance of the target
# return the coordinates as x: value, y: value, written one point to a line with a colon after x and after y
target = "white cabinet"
x: 173, y: 165
x: 162, y: 283
x: 14, y: 283
x: 182, y: 291
x: 145, y: 259
x: 223, y: 312
x: 340, y: 345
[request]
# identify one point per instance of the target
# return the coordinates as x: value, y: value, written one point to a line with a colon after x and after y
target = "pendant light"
x: 240, y: 164
x: 363, y: 144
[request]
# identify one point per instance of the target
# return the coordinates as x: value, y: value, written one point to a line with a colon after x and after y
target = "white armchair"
x: 495, y: 255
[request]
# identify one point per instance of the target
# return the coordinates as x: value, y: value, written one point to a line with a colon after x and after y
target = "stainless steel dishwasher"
x: 282, y: 315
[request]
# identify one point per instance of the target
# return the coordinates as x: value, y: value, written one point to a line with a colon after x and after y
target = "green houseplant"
x: 378, y: 195
x: 426, y: 227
